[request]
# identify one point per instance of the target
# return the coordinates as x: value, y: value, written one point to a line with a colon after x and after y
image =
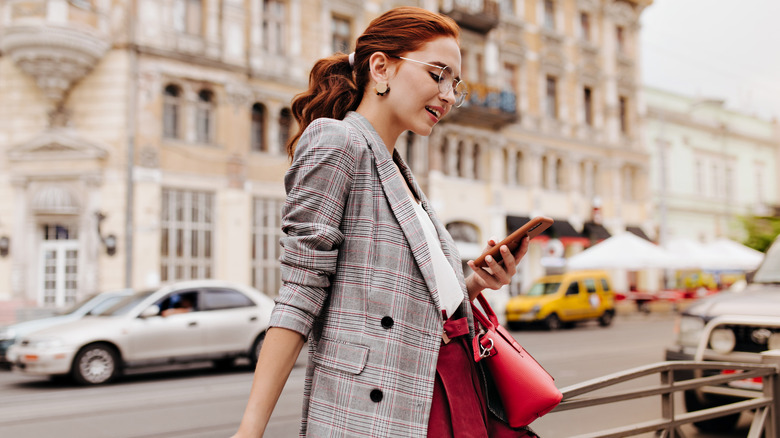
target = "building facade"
x: 710, y: 166
x: 142, y: 141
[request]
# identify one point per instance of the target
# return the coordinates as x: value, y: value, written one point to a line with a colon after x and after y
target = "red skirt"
x: 459, y: 407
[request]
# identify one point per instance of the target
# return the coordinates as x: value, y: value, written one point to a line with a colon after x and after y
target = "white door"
x: 59, y: 273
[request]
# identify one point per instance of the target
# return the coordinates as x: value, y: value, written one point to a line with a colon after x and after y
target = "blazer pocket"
x: 342, y: 356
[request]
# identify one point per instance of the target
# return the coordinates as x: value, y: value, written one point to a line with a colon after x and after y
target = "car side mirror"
x: 153, y: 310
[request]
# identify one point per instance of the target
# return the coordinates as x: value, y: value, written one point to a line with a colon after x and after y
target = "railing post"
x: 772, y: 390
x: 667, y: 403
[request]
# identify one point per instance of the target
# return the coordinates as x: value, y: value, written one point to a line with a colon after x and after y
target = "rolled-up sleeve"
x: 318, y: 186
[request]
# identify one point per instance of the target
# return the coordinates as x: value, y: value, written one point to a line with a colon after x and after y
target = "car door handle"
x: 193, y: 324
x: 252, y: 318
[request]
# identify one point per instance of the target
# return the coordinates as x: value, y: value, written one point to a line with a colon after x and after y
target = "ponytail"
x: 332, y: 93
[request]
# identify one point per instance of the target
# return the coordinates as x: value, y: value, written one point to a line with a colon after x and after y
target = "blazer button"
x: 376, y: 396
x: 387, y: 322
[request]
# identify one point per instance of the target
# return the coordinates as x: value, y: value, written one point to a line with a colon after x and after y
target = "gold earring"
x: 381, y: 88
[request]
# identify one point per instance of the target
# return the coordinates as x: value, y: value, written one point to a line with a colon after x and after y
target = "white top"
x: 450, y: 293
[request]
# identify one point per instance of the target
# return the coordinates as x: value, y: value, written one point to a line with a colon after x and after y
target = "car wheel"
x: 254, y: 353
x: 722, y: 424
x: 96, y: 364
x: 606, y: 318
x: 514, y: 325
x: 552, y: 322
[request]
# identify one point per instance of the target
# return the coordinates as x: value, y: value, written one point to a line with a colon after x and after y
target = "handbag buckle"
x: 485, y: 351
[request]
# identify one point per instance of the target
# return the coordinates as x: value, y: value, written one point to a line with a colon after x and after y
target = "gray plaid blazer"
x: 358, y: 282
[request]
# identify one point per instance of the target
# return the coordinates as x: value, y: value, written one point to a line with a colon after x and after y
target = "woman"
x: 370, y: 276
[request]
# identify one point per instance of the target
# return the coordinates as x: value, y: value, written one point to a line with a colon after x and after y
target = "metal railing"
x: 764, y: 402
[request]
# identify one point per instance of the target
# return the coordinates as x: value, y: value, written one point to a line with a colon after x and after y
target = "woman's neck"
x: 387, y: 130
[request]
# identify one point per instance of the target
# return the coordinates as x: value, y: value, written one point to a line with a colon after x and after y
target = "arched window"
x: 258, y: 128
x: 285, y: 125
x: 463, y: 232
x: 172, y: 111
x: 204, y: 117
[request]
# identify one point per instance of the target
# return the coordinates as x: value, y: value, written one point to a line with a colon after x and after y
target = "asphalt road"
x: 200, y: 402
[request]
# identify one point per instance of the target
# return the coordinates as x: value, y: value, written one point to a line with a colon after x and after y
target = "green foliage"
x: 761, y: 231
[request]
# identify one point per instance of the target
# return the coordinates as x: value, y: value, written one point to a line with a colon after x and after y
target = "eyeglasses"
x: 446, y: 81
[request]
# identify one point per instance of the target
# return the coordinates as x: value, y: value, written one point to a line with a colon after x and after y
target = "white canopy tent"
x: 733, y: 256
x: 625, y: 251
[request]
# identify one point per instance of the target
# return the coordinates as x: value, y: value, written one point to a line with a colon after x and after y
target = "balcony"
x: 477, y: 15
x: 486, y: 107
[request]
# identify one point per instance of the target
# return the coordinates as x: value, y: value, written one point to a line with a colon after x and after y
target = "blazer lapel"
x: 400, y: 203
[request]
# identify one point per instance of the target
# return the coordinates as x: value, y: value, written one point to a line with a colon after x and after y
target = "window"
x: 623, y: 102
x: 463, y: 232
x: 519, y: 163
x: 560, y: 175
x: 587, y: 103
x: 188, y: 16
x: 620, y: 37
x: 172, y: 111
x: 186, y: 235
x: 204, y: 117
x: 573, y: 289
x: 266, y: 232
x: 285, y: 125
x: 585, y: 26
x: 342, y: 35
x: 760, y: 188
x: 551, y: 101
x: 549, y: 14
x: 590, y: 285
x: 258, y: 128
x: 729, y: 181
x: 274, y: 17
x: 219, y: 299
x: 698, y: 172
x: 510, y: 78
x: 545, y: 172
x: 461, y: 155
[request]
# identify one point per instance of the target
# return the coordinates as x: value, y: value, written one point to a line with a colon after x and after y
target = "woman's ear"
x: 381, y: 70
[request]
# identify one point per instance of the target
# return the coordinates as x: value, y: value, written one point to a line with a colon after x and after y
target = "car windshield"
x: 77, y: 306
x: 769, y: 271
x: 540, y: 289
x: 126, y: 304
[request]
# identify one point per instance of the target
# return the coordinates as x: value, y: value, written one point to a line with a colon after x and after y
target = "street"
x: 200, y: 402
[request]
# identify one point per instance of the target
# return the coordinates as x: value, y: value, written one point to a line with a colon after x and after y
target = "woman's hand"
x: 502, y: 272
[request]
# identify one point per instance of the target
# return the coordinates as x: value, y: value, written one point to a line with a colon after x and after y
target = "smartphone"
x: 533, y: 228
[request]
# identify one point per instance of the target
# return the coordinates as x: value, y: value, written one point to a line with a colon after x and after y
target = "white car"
x: 225, y: 321
x: 89, y: 306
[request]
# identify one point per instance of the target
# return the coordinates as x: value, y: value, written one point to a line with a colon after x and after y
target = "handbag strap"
x: 490, y: 321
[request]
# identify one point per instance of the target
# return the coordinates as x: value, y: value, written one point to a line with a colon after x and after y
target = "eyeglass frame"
x: 459, y: 101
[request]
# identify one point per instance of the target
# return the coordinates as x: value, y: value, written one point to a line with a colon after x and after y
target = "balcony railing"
x: 478, y: 15
x: 486, y: 107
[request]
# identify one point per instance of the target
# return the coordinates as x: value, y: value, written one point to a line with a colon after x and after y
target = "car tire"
x: 721, y: 424
x: 552, y: 322
x: 514, y: 325
x: 606, y: 318
x: 95, y: 364
x: 254, y: 352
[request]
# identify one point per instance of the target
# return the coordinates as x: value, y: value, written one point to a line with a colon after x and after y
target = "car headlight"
x: 45, y: 343
x: 723, y: 340
x: 7, y: 333
x: 535, y: 309
x: 690, y: 329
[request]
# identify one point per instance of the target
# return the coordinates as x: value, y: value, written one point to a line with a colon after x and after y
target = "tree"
x: 761, y: 231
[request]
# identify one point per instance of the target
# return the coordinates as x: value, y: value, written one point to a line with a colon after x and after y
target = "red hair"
x: 335, y: 87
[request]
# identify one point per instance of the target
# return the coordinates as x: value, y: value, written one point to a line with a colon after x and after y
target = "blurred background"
x: 142, y: 141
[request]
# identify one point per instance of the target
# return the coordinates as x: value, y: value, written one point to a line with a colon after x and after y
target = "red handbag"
x: 526, y: 389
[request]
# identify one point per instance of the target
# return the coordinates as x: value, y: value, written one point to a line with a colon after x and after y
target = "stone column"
x: 21, y: 243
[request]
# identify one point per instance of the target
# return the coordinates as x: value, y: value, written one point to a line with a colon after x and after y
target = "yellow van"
x: 564, y: 299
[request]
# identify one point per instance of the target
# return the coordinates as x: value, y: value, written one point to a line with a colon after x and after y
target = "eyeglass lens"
x: 447, y: 83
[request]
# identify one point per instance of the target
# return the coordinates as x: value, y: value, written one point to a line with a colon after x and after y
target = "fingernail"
x: 489, y: 259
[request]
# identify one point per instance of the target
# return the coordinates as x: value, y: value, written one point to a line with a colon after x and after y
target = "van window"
x: 605, y: 285
x: 590, y: 285
x: 574, y: 289
x: 539, y: 289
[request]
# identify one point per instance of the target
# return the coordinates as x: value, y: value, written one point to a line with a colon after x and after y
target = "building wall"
x: 720, y: 164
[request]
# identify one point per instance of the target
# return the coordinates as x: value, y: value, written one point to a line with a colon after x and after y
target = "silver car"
x: 89, y: 306
x: 179, y: 323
